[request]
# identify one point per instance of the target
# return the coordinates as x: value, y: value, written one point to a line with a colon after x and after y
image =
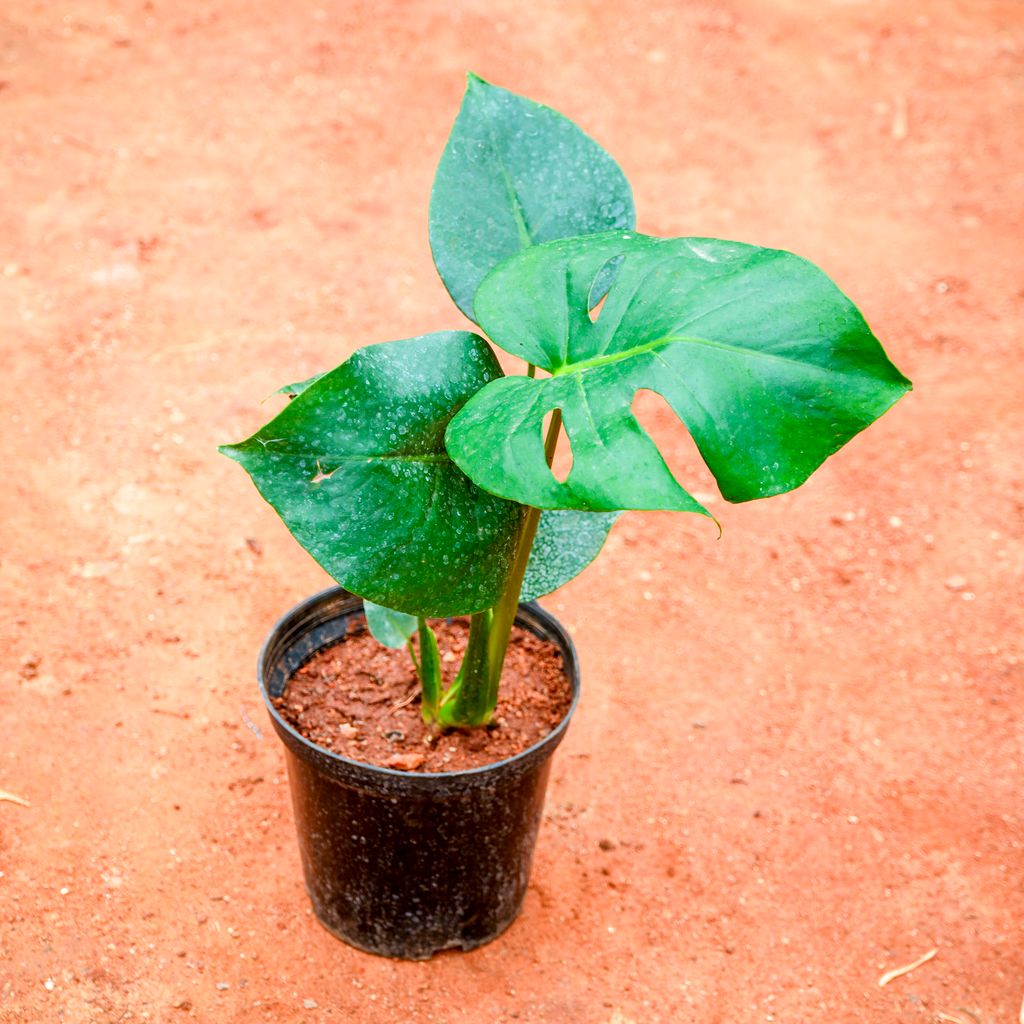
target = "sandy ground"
x: 797, y: 764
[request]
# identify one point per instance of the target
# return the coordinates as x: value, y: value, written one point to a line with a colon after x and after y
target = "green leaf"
x: 355, y: 465
x: 566, y: 543
x: 389, y: 627
x: 769, y: 365
x: 515, y: 173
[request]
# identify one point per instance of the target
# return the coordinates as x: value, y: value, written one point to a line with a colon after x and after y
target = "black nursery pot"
x: 398, y: 863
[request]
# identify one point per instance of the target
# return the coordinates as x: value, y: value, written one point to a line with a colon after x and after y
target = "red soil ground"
x: 797, y: 763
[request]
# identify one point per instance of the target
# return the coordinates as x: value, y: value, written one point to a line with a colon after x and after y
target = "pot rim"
x: 349, y: 767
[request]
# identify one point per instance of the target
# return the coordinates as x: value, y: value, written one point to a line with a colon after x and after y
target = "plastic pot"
x: 398, y: 863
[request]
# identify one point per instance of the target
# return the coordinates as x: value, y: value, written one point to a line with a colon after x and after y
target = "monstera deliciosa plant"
x: 419, y: 475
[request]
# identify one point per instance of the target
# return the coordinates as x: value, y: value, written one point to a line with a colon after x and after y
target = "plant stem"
x: 471, y: 705
x: 508, y: 603
x: 473, y: 696
x: 430, y: 672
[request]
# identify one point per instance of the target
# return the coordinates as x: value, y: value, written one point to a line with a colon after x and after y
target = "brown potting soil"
x: 362, y: 700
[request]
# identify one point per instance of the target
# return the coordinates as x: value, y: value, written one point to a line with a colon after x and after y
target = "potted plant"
x: 419, y: 476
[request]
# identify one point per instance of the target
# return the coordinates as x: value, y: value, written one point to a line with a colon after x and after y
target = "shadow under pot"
x: 398, y: 863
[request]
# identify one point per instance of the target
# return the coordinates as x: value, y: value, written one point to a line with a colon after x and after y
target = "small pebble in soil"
x: 405, y: 762
x: 606, y: 844
x: 309, y: 1004
x: 222, y: 986
x: 348, y: 730
x: 956, y: 582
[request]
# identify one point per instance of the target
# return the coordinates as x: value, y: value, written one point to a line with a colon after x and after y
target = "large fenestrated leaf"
x: 356, y: 467
x: 769, y: 365
x: 567, y: 542
x: 515, y: 173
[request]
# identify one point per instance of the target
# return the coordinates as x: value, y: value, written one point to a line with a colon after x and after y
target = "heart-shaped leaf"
x: 769, y: 365
x: 565, y: 544
x: 515, y: 173
x: 356, y: 467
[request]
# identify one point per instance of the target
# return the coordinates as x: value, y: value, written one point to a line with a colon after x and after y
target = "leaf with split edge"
x: 566, y: 542
x: 390, y: 628
x: 515, y: 173
x: 355, y: 466
x: 769, y: 365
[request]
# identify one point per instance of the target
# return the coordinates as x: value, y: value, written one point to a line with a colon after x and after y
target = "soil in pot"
x: 361, y: 700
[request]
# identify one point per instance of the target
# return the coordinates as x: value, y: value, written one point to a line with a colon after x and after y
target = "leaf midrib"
x: 358, y: 457
x: 668, y: 339
x: 518, y: 210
